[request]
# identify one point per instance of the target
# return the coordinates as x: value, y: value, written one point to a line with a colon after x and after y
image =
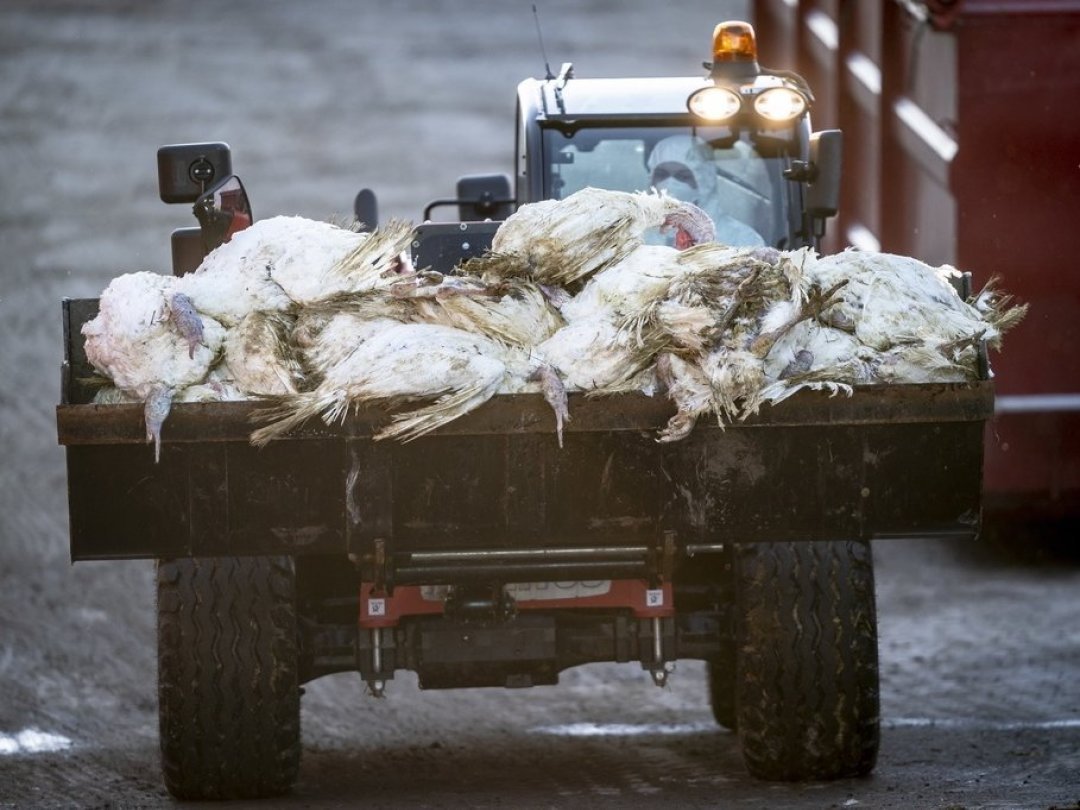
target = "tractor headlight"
x: 714, y: 103
x: 780, y: 105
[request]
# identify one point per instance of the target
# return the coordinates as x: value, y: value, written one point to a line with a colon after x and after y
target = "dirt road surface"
x: 980, y: 657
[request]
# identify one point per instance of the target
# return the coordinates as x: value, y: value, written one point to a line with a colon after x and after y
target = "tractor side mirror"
x: 823, y: 190
x: 188, y: 170
x: 484, y: 196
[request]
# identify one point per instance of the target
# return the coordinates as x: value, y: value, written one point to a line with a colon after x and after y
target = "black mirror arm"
x: 486, y: 203
x: 801, y: 171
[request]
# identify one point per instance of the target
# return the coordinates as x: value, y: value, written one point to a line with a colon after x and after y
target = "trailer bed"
x: 887, y: 461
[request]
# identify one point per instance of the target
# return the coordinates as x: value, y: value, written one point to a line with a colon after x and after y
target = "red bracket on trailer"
x: 379, y: 609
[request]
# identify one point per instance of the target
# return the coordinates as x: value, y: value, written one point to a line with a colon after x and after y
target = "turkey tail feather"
x: 290, y: 412
x: 378, y: 253
x: 412, y: 425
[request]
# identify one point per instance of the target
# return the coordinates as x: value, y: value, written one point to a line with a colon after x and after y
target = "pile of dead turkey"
x: 317, y: 320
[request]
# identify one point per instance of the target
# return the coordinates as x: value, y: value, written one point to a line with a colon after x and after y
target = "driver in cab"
x: 682, y: 166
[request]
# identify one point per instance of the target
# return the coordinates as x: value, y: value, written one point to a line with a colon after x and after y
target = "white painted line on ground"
x: 973, y: 724
x: 32, y: 741
x: 624, y: 729
x: 643, y: 729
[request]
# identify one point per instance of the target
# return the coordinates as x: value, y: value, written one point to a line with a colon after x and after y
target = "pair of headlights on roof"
x: 776, y: 105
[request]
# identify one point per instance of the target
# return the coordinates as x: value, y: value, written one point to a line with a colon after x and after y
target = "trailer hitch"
x: 483, y: 604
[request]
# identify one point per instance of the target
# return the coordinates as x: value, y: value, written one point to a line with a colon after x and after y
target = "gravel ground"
x: 980, y: 657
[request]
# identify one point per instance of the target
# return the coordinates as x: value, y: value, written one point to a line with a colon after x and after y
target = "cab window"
x: 738, y: 183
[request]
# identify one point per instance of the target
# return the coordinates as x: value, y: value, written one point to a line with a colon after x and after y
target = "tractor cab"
x: 737, y: 142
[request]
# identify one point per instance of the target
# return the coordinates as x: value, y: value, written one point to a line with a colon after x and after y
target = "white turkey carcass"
x: 815, y: 335
x: 391, y: 363
x: 325, y: 338
x: 815, y: 356
x: 627, y: 287
x: 820, y: 357
x: 773, y: 342
x: 891, y: 301
x: 892, y: 319
x: 659, y: 299
x: 559, y: 242
x: 697, y: 302
x: 713, y: 315
x: 595, y: 355
x: 147, y: 339
x: 501, y: 320
x: 698, y: 291
x: 285, y: 261
x: 514, y: 310
x: 596, y: 351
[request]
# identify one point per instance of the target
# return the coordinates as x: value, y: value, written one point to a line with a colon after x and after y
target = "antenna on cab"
x: 548, y: 75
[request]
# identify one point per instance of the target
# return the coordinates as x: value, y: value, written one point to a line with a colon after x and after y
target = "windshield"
x: 738, y: 183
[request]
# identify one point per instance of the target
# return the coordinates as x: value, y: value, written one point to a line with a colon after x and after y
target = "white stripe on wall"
x: 1036, y: 403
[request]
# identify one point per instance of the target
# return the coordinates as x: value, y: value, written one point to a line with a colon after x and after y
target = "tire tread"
x: 807, y: 683
x: 228, y: 690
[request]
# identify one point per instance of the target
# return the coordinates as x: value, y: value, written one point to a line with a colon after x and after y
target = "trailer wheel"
x: 807, y: 692
x: 228, y: 692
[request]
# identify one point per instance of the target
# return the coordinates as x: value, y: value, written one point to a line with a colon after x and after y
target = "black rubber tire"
x: 228, y: 691
x: 722, y: 691
x: 807, y: 691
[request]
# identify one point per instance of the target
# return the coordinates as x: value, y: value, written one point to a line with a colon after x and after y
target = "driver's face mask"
x: 677, y: 180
